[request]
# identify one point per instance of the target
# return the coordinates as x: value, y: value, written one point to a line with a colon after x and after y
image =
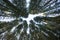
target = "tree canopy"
x: 29, y: 19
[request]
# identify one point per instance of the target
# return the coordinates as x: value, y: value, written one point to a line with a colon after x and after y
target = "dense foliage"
x: 45, y: 26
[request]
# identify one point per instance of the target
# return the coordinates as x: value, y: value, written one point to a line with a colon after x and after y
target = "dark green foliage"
x: 46, y: 27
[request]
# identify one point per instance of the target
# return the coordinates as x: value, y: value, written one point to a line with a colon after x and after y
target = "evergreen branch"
x: 3, y: 8
x: 18, y: 12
